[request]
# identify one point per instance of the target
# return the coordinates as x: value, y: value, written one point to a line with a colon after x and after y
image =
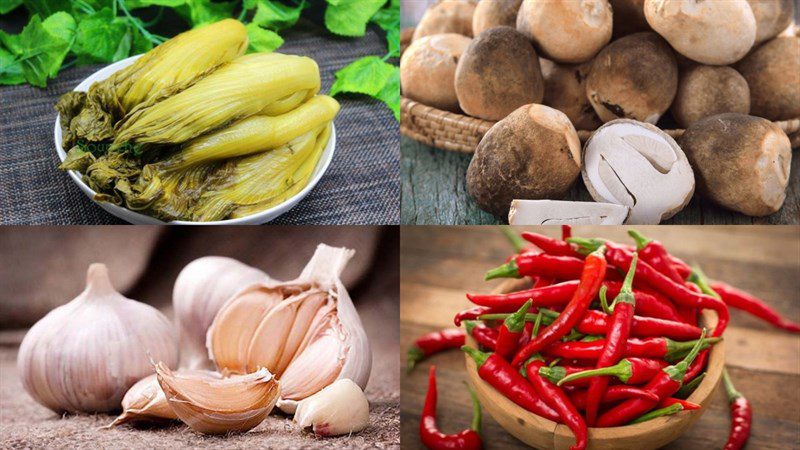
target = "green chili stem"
x: 516, y: 240
x: 666, y: 411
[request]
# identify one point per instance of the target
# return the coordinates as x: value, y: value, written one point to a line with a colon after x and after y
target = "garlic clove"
x: 340, y: 408
x: 232, y: 330
x: 85, y: 355
x: 202, y: 288
x: 145, y: 400
x: 235, y: 404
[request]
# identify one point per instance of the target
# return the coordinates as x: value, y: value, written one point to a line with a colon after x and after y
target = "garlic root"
x: 340, y: 408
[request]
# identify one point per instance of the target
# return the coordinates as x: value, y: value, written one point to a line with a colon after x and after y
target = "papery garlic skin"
x: 201, y: 289
x: 305, y: 331
x: 340, y: 408
x: 145, y: 401
x: 230, y: 405
x: 84, y: 355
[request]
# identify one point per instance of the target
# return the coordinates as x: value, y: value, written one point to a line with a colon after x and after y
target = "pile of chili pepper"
x: 608, y: 335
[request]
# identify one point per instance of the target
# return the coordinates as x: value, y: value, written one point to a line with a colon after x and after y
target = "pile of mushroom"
x: 615, y: 73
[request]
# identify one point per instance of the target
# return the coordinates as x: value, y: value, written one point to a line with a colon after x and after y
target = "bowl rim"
x: 134, y: 217
x: 702, y: 394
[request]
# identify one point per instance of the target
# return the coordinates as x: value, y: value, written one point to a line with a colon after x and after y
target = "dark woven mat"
x: 361, y: 185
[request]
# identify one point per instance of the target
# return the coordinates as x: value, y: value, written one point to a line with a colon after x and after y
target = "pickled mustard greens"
x: 194, y: 133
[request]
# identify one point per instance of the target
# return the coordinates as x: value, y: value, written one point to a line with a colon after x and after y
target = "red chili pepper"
x: 566, y: 232
x: 435, y: 439
x: 643, y: 348
x: 628, y: 370
x: 559, y: 401
x: 653, y: 252
x: 554, y: 295
x: 648, y: 303
x: 741, y: 415
x: 558, y: 267
x: 541, y: 282
x: 434, y: 342
x: 597, y: 323
x: 664, y: 384
x: 471, y: 314
x: 511, y: 332
x: 613, y: 394
x: 687, y: 406
x: 591, y: 278
x: 483, y: 335
x: 679, y: 293
x: 502, y: 376
x: 550, y: 245
x: 749, y: 303
x: 697, y: 366
x: 526, y: 335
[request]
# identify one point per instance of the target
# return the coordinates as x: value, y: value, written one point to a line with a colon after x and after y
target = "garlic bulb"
x: 145, y: 400
x: 83, y: 356
x: 234, y: 404
x: 201, y: 289
x: 306, y: 331
x: 340, y: 408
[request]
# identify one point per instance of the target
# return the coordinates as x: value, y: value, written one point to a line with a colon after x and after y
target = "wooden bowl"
x: 542, y: 433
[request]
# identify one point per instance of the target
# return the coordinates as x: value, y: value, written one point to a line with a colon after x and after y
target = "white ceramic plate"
x: 137, y: 218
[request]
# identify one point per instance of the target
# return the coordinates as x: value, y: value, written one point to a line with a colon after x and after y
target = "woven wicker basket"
x: 457, y: 132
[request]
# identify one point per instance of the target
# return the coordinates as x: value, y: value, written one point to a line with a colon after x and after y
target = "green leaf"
x: 277, y: 16
x: 201, y: 12
x: 41, y: 47
x: 393, y: 41
x: 390, y: 94
x: 102, y: 37
x: 46, y: 8
x: 10, y: 69
x: 388, y: 18
x: 350, y: 17
x: 7, y: 6
x: 140, y: 43
x: 370, y: 76
x: 261, y: 39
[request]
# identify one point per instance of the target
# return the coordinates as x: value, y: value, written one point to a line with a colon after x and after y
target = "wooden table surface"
x: 439, y: 264
x: 434, y: 191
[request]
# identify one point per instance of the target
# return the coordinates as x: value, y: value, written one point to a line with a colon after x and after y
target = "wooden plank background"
x: 434, y: 191
x: 439, y: 264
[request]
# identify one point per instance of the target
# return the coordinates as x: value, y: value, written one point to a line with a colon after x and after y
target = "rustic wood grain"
x: 440, y: 264
x: 434, y: 191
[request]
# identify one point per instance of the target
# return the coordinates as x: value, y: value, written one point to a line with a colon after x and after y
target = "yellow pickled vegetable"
x: 239, y: 89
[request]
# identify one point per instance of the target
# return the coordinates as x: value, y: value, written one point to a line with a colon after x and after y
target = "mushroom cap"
x: 566, y: 31
x: 634, y: 77
x: 565, y: 90
x: 498, y: 73
x: 556, y: 212
x: 628, y: 17
x: 772, y: 17
x: 772, y: 72
x: 637, y: 165
x: 705, y: 91
x: 709, y: 32
x: 428, y: 68
x: 742, y: 162
x: 534, y: 153
x: 447, y: 16
x: 491, y: 14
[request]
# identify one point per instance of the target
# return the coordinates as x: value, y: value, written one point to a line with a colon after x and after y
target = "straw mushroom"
x: 498, y: 73
x: 635, y: 77
x: 566, y: 31
x: 490, y: 14
x: 639, y: 166
x: 534, y: 153
x: 428, y: 67
x: 555, y: 212
x: 628, y: 17
x: 709, y: 32
x: 447, y: 16
x: 772, y: 17
x: 773, y: 73
x: 705, y: 91
x: 742, y: 162
x: 565, y: 90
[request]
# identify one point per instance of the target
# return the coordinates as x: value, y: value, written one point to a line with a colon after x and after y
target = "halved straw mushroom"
x: 637, y: 165
x: 555, y: 212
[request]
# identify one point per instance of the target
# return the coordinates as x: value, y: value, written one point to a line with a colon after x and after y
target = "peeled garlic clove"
x: 145, y: 400
x: 235, y: 404
x: 305, y: 331
x: 340, y: 408
x: 85, y: 355
x: 202, y: 288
